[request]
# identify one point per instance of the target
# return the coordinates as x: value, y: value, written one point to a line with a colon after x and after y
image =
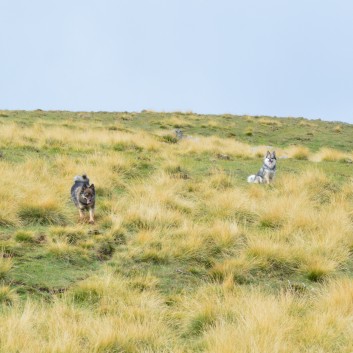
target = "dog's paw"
x: 91, y: 221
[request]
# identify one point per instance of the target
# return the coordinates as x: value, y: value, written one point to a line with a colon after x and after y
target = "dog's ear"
x: 268, y: 154
x: 84, y: 187
x: 274, y: 155
x: 92, y: 187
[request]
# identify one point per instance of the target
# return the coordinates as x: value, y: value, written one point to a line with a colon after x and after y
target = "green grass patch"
x: 41, y: 215
x: 24, y: 236
x: 41, y: 272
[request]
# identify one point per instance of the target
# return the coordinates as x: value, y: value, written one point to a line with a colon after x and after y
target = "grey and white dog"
x: 83, y: 195
x: 267, y: 172
x: 179, y: 134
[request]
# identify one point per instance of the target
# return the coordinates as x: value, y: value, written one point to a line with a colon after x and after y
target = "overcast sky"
x: 258, y: 57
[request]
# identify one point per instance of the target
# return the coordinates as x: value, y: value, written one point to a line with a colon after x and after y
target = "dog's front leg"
x: 81, y: 213
x: 91, y: 215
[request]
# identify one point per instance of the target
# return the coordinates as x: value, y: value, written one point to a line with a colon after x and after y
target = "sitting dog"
x: 267, y: 173
x: 179, y: 134
x: 83, y: 196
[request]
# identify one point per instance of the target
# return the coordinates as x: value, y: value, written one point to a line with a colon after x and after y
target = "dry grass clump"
x: 328, y: 331
x: 25, y: 236
x: 276, y: 212
x: 337, y: 129
x: 215, y: 145
x: 71, y: 235
x: 148, y: 215
x: 198, y: 243
x: 144, y: 282
x: 177, y: 122
x: 249, y: 118
x: 191, y: 242
x: 272, y: 257
x: 7, y: 216
x: 281, y: 209
x: 240, y: 269
x: 329, y: 155
x: 311, y: 177
x: 260, y: 327
x: 299, y: 152
x: 150, y: 246
x: 270, y: 122
x: 65, y: 251
x: 175, y: 170
x: 8, y: 296
x: 307, y: 123
x: 318, y: 268
x: 6, y: 264
x: 237, y: 320
x: 37, y: 199
x: 213, y: 124
x: 249, y: 131
x: 156, y: 205
x: 311, y: 187
x: 219, y: 180
x: 45, y: 213
x: 221, y: 205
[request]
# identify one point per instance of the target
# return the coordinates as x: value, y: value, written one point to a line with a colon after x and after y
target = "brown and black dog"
x: 83, y: 195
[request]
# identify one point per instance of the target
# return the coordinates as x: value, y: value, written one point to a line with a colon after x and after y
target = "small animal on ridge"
x: 179, y: 134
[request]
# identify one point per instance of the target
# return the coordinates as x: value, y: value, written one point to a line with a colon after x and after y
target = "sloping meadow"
x: 185, y: 256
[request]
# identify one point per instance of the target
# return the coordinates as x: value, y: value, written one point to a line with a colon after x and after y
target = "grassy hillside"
x: 185, y: 255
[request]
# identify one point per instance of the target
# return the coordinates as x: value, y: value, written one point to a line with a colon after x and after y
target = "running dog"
x: 267, y: 172
x: 83, y: 196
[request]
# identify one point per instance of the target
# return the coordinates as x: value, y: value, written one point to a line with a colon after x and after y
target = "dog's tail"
x: 251, y: 178
x: 82, y: 178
